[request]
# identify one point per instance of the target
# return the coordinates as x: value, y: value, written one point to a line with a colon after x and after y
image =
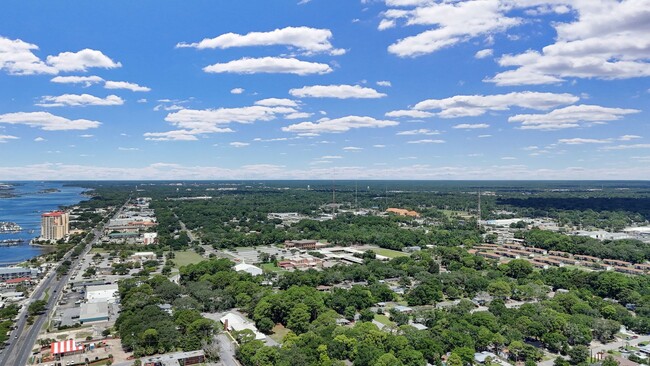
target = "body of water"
x: 25, y: 210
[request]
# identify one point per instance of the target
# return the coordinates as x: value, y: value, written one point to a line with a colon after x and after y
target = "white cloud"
x: 421, y: 131
x: 470, y: 126
x: 570, y: 117
x: 627, y: 147
x: 337, y: 125
x: 628, y: 137
x: 47, y: 121
x: 239, y: 144
x: 17, y: 58
x: 606, y: 40
x: 5, y: 138
x: 79, y: 100
x: 411, y: 113
x: 128, y: 149
x: 269, y: 65
x: 454, y: 22
x: 39, y: 139
x: 178, y: 135
x: 484, y: 136
x: 379, y: 146
x: 142, y: 100
x: 384, y: 83
x: 126, y: 85
x: 298, y: 115
x: 426, y: 141
x: 275, y: 102
x: 307, y: 40
x: 237, y: 90
x: 352, y: 149
x: 336, y: 91
x: 81, y: 61
x: 484, y: 53
x: 386, y: 24
x: 331, y: 157
x: 476, y: 105
x: 581, y: 141
x: 508, y: 158
x: 86, y: 80
x: 86, y: 136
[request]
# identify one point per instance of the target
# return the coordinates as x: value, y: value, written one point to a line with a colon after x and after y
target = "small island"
x: 49, y: 190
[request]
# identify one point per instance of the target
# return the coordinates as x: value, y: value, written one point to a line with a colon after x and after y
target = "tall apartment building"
x: 55, y: 225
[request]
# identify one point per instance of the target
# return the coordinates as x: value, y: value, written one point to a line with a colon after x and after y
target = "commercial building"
x: 101, y: 293
x: 93, y: 312
x: 234, y: 322
x: 55, y: 225
x: 143, y: 256
x: 149, y: 238
x: 249, y: 268
x: 301, y: 244
x: 175, y: 359
x: 10, y: 273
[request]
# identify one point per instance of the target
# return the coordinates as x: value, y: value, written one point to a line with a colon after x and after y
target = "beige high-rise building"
x: 55, y: 225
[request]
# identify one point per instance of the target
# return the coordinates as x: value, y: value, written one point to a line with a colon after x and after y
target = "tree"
x: 366, y: 315
x: 578, y: 354
x: 37, y: 307
x: 610, y: 361
x: 399, y: 317
x: 454, y: 360
x: 605, y: 329
x: 265, y: 325
x: 500, y: 289
x: 298, y: 319
x: 388, y: 359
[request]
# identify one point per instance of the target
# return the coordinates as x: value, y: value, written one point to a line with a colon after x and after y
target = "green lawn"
x: 278, y: 333
x: 186, y: 257
x: 269, y: 267
x: 383, y: 319
x: 389, y: 253
x: 94, y: 250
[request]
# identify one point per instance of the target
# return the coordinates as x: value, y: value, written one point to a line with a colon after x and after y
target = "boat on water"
x: 10, y: 242
x: 9, y: 227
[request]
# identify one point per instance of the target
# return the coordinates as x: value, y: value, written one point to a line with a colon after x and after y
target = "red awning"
x: 65, y: 347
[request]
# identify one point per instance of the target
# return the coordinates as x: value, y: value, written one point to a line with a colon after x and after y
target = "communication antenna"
x: 479, y: 209
x: 356, y: 198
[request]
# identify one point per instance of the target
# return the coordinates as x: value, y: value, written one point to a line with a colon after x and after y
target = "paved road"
x: 24, y: 337
x: 226, y: 350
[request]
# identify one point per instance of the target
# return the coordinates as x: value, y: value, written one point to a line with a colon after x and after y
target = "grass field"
x: 98, y: 250
x: 271, y: 268
x: 383, y: 319
x: 278, y: 333
x: 186, y: 257
x: 389, y: 253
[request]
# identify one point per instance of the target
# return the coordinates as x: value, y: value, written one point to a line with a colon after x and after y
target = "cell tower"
x: 478, y: 222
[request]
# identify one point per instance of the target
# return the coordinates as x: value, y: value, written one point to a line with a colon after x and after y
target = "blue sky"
x: 343, y: 89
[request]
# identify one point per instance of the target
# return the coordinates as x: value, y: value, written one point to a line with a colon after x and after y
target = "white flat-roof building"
x: 232, y: 321
x: 143, y: 256
x: 249, y: 268
x: 93, y: 312
x: 101, y: 293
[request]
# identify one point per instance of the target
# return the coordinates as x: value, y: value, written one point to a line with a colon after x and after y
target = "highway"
x: 24, y: 337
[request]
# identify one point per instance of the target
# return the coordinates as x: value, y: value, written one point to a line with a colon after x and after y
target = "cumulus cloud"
x: 192, y: 122
x: 5, y: 138
x: 277, y: 102
x: 410, y: 113
x: 239, y: 144
x: 79, y: 100
x: 454, y: 22
x: 39, y: 139
x: 338, y: 125
x: 17, y: 58
x: 476, y: 105
x: 47, y: 121
x: 126, y: 85
x: 269, y: 65
x: 484, y: 53
x: 606, y: 40
x: 81, y: 61
x: 384, y: 83
x: 352, y: 148
x: 426, y: 141
x: 237, y: 91
x: 336, y: 91
x: 471, y: 126
x: 307, y: 40
x: 582, y: 141
x: 421, y: 131
x: 177, y: 135
x: 298, y: 115
x: 570, y: 117
x: 85, y: 80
